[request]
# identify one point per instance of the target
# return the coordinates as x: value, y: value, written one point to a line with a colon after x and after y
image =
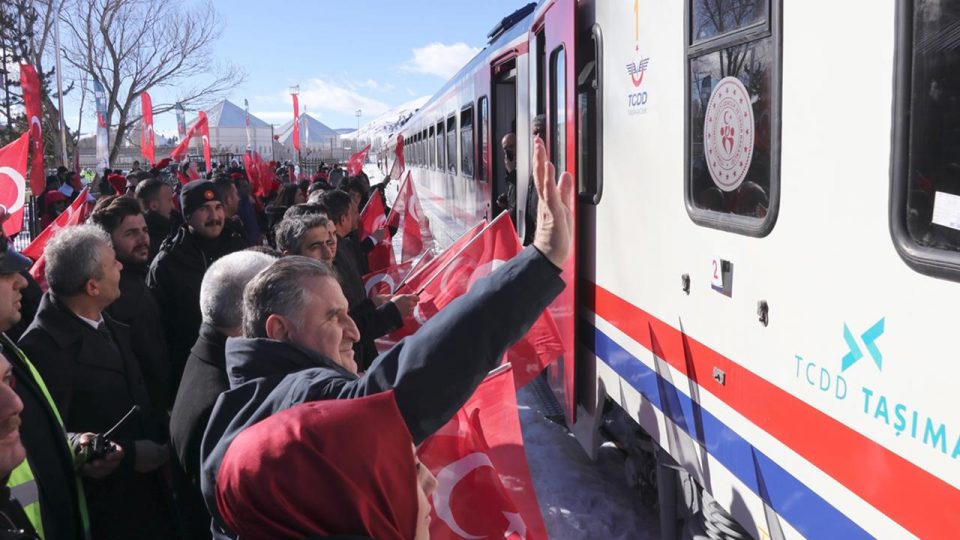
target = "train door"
x: 504, y: 91
x: 552, y: 115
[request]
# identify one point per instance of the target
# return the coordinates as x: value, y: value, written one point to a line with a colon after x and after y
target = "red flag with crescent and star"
x: 13, y: 185
x: 374, y: 218
x: 75, y: 214
x: 490, y: 249
x: 30, y: 83
x: 355, y: 164
x: 407, y: 215
x: 296, y: 122
x: 484, y: 488
x: 399, y: 165
x: 199, y: 128
x: 146, y: 133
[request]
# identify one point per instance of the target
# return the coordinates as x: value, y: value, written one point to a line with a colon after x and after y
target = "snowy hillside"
x: 382, y: 127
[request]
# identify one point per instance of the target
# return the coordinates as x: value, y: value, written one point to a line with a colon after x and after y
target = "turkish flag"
x: 490, y: 249
x: 387, y: 280
x: 399, y: 166
x: 199, y: 128
x: 13, y: 186
x: 146, y: 133
x: 30, y: 83
x: 355, y: 164
x: 205, y: 137
x: 484, y: 486
x: 296, y: 122
x: 253, y: 172
x: 423, y: 274
x: 407, y: 214
x: 374, y: 218
x: 75, y: 214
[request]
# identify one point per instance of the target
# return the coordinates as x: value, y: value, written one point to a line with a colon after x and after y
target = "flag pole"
x: 63, y: 126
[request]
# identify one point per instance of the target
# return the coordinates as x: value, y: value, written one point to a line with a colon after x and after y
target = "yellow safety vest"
x: 23, y: 486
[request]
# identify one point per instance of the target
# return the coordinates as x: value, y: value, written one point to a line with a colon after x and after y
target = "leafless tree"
x: 133, y: 46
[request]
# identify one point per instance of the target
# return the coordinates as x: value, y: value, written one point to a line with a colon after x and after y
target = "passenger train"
x: 759, y: 301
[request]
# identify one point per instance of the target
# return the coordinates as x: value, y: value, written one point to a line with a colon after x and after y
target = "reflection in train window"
x: 483, y: 131
x: 713, y: 18
x: 466, y: 141
x: 733, y: 117
x: 431, y: 149
x: 558, y: 118
x: 452, y: 144
x: 441, y: 141
x: 926, y: 196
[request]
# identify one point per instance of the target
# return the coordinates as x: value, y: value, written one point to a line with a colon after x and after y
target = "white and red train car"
x: 768, y: 247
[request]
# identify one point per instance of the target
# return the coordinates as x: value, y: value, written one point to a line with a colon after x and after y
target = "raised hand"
x: 554, y: 233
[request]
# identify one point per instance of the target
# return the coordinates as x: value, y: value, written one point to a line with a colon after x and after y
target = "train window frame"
x: 928, y: 260
x: 467, y: 148
x: 451, y: 161
x: 431, y: 157
x: 771, y: 27
x: 558, y: 108
x: 441, y: 146
x: 483, y: 135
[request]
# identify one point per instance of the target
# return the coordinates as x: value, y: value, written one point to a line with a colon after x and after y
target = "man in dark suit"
x: 205, y: 375
x: 88, y: 365
x: 122, y: 218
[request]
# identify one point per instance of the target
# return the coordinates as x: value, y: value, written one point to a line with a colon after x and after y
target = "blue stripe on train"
x: 806, y: 511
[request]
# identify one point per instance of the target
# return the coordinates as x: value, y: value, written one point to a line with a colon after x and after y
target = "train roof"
x: 504, y: 33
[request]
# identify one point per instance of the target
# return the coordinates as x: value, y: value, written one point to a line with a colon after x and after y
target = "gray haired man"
x: 205, y: 376
x: 88, y: 365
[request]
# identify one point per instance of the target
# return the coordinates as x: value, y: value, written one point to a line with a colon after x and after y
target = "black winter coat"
x: 175, y: 277
x: 432, y: 372
x: 94, y: 382
x: 50, y: 457
x: 138, y: 309
x: 204, y: 378
x: 372, y: 321
x: 160, y: 228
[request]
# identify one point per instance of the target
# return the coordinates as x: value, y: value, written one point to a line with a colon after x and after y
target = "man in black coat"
x: 51, y: 461
x: 176, y: 273
x: 14, y: 522
x: 122, y: 219
x: 156, y: 197
x: 299, y: 339
x: 87, y: 363
x: 205, y: 375
x: 373, y: 318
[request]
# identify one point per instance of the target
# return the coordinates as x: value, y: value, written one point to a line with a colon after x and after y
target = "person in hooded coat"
x: 380, y: 493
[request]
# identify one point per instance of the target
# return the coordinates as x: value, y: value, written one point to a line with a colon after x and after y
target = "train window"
x: 431, y: 149
x: 925, y: 199
x: 558, y: 99
x: 441, y: 152
x: 483, y: 132
x: 466, y: 141
x: 733, y: 111
x: 712, y: 18
x: 452, y: 144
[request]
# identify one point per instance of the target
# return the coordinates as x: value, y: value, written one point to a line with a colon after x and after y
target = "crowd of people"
x: 203, y: 362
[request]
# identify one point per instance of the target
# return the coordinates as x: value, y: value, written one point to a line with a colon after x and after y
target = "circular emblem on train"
x: 728, y: 133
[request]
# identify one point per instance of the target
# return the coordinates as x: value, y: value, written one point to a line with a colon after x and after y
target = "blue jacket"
x: 432, y: 372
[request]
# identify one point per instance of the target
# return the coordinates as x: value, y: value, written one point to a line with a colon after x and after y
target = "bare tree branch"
x: 135, y: 46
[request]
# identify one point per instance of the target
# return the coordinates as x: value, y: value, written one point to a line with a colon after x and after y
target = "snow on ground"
x: 580, y: 499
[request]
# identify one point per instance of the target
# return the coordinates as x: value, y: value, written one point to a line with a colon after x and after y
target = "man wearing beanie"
x: 177, y: 271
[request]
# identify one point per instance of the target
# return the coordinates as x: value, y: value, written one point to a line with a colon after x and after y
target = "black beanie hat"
x: 197, y: 193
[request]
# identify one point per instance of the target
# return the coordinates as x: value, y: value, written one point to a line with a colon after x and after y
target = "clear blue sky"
x: 366, y: 54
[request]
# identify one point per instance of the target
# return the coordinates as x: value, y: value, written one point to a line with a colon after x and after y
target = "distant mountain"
x: 381, y: 128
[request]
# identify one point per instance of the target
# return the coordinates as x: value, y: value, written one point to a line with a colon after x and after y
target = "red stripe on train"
x: 922, y: 503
